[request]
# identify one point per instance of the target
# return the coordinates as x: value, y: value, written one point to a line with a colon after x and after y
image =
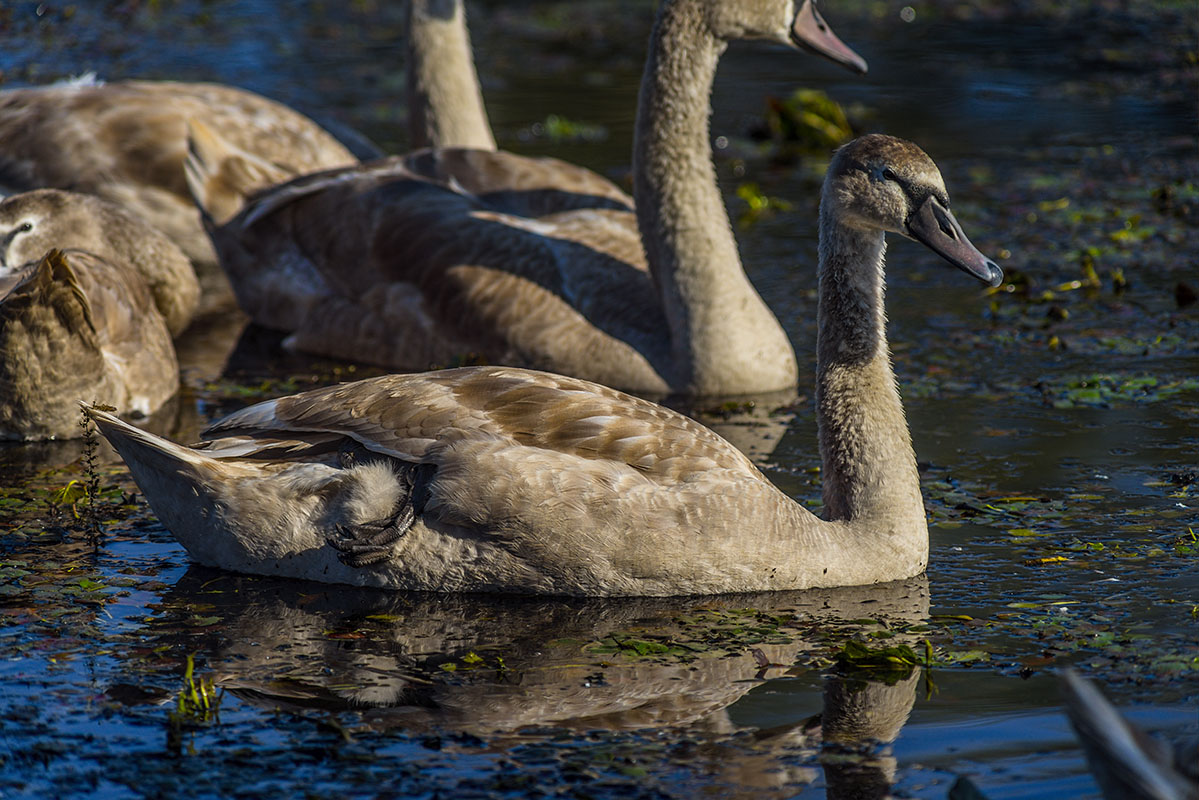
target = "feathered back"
x: 39, y: 220
x: 74, y: 326
x: 403, y: 415
x: 126, y: 142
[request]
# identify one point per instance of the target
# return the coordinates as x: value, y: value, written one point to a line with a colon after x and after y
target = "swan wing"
x: 530, y: 187
x: 408, y: 416
x: 411, y: 271
x: 76, y: 325
x: 131, y: 335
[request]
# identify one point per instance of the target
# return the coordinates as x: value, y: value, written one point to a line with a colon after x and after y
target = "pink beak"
x: 811, y: 32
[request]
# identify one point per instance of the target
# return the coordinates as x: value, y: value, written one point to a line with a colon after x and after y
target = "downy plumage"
x: 419, y: 261
x: 74, y: 325
x: 503, y: 479
x: 126, y: 141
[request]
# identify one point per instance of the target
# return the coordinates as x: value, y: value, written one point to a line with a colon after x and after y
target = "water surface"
x: 1056, y: 427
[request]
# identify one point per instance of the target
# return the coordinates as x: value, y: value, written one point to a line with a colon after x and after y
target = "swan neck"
x: 869, y: 467
x: 445, y: 103
x: 724, y: 339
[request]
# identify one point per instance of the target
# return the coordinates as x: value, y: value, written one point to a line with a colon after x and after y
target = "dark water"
x: 1056, y: 427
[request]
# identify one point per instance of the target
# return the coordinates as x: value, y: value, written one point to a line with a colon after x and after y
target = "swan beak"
x: 935, y: 227
x: 812, y: 33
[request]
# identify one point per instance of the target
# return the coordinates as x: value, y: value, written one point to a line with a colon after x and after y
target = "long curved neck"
x: 445, y: 104
x: 869, y: 468
x: 724, y: 340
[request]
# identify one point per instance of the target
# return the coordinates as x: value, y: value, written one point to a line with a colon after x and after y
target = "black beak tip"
x: 996, y: 276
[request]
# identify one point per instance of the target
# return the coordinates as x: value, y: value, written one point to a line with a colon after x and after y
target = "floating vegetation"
x: 559, y: 130
x: 1091, y: 268
x: 74, y: 493
x: 264, y: 389
x: 56, y: 502
x: 1105, y: 390
x: 809, y: 121
x: 473, y: 661
x: 758, y: 204
x: 728, y: 409
x: 886, y: 664
x: 1019, y: 516
x: 707, y: 632
x: 638, y: 648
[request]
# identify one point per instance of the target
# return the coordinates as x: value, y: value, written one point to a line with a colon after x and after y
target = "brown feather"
x: 532, y: 409
x: 127, y: 142
x: 79, y: 328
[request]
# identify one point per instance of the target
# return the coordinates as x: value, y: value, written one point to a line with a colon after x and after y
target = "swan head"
x: 881, y: 183
x: 795, y: 23
x: 34, y: 222
x: 19, y: 222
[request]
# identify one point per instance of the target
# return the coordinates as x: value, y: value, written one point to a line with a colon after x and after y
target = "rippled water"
x: 1056, y: 428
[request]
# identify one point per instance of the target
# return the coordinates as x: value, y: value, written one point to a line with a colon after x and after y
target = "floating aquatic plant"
x: 1106, y: 390
x: 809, y: 121
x: 758, y: 204
x: 558, y: 129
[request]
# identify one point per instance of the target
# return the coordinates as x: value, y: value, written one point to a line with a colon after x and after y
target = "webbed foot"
x: 371, y: 542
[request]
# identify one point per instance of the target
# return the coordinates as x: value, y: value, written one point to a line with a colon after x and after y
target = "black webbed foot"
x: 372, y: 542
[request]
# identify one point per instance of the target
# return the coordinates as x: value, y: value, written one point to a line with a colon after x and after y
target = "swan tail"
x: 180, y: 484
x: 141, y: 449
x: 221, y: 176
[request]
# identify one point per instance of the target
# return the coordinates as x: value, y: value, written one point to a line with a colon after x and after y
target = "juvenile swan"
x: 508, y: 480
x: 72, y: 325
x: 33, y: 222
x: 126, y: 142
x: 417, y: 261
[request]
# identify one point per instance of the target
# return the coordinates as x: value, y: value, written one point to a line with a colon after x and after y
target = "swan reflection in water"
x: 495, y: 667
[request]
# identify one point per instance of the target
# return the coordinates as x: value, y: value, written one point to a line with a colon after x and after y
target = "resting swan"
x: 74, y: 324
x: 89, y: 297
x: 31, y: 223
x: 126, y: 141
x: 419, y: 261
x: 508, y: 480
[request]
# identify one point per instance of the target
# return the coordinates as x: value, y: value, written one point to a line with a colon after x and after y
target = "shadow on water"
x: 498, y: 668
x: 1054, y: 421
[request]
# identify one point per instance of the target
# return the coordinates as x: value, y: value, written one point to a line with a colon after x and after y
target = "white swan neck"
x: 869, y: 467
x: 724, y: 339
x: 445, y: 103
